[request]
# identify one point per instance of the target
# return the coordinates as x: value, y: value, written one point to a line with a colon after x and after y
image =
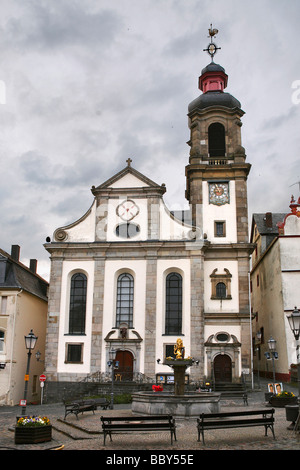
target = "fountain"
x: 179, y: 403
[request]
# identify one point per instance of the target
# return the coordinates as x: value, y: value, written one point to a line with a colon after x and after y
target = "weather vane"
x: 212, y: 48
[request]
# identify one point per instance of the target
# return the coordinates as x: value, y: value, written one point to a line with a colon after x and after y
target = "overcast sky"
x: 86, y: 84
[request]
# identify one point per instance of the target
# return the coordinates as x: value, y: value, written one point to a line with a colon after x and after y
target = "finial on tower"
x: 212, y: 47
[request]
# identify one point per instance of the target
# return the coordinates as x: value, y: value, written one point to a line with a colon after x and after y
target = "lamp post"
x: 111, y: 363
x: 258, y: 336
x: 30, y: 341
x: 294, y: 322
x: 272, y: 347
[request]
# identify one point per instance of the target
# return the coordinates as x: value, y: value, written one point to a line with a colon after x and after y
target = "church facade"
x: 132, y: 276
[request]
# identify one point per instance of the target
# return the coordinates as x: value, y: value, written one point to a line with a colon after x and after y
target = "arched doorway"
x: 223, y: 368
x: 125, y: 370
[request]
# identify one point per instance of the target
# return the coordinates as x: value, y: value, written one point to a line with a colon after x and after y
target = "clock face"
x: 219, y: 193
x: 127, y: 210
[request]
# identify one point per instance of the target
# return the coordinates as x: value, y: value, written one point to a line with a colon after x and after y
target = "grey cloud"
x: 56, y: 24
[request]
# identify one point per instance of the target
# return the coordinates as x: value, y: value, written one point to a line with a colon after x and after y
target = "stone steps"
x: 73, y: 430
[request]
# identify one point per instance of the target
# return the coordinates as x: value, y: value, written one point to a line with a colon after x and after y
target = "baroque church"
x: 132, y: 276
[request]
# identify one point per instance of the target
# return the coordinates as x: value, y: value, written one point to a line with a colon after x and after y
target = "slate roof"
x: 263, y: 228
x: 15, y: 275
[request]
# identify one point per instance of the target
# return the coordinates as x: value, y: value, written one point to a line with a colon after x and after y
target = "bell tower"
x: 217, y: 171
x: 216, y: 188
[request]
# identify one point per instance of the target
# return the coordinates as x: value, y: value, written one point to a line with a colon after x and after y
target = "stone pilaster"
x: 150, y: 315
x: 197, y: 321
x: 51, y: 349
x: 97, y: 320
x: 241, y: 210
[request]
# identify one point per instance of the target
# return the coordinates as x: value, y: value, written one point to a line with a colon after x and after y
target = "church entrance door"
x: 125, y: 370
x: 223, y: 368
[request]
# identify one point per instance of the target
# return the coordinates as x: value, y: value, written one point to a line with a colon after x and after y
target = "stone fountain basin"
x: 189, y: 405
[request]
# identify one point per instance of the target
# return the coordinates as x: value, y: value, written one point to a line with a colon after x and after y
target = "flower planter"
x: 282, y: 402
x: 32, y: 434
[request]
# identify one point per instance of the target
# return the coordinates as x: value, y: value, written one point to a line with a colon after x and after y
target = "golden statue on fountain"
x: 179, y: 349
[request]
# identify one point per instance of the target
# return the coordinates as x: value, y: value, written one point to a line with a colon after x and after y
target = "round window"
x: 127, y: 230
x: 222, y: 337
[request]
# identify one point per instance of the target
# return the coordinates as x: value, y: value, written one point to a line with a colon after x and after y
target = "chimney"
x: 269, y: 219
x: 15, y: 252
x: 33, y: 265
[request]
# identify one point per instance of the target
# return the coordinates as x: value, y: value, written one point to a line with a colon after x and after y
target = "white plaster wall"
x: 129, y: 181
x: 290, y: 263
x: 113, y: 268
x: 83, y: 231
x: 226, y: 212
x: 216, y: 305
x: 292, y: 225
x: 164, y: 267
x: 170, y: 227
x: 70, y: 268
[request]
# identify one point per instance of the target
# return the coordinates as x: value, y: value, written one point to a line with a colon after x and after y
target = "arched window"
x: 77, y: 304
x: 125, y: 288
x: 173, y: 304
x: 221, y: 290
x: 2, y: 336
x: 216, y: 140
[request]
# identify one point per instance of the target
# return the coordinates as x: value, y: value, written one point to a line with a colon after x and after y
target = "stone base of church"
x: 189, y: 405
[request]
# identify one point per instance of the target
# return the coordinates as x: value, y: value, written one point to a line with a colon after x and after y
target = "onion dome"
x: 212, y: 81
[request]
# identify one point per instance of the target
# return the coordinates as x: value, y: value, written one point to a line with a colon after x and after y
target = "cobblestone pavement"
x: 85, y: 433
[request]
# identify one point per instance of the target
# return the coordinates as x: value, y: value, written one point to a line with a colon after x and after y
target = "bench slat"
x: 238, y: 413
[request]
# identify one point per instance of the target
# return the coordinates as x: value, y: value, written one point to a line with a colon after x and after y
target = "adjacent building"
x: 23, y: 307
x: 275, y: 278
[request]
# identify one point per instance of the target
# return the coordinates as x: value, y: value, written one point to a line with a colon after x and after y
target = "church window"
x: 2, y: 336
x: 127, y: 230
x: 221, y: 290
x: 222, y: 337
x: 173, y: 304
x: 220, y: 229
x: 216, y: 140
x: 77, y: 304
x: 221, y: 285
x: 74, y: 353
x: 125, y: 290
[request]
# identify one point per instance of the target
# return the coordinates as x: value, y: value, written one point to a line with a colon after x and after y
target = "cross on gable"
x: 128, y: 161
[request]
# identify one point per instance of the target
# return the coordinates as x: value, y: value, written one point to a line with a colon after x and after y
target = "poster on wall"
x: 275, y: 388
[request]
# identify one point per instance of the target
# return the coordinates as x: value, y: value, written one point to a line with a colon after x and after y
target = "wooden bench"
x: 113, y: 424
x: 102, y: 402
x: 236, y: 419
x: 235, y: 395
x: 80, y: 406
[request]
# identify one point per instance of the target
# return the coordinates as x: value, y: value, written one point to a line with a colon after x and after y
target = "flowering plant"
x: 285, y: 394
x: 33, y: 421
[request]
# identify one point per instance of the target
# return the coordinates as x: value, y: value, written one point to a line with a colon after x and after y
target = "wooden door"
x: 125, y: 370
x: 223, y: 368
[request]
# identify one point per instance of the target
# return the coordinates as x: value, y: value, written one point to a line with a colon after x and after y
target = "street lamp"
x: 30, y: 341
x: 258, y: 336
x: 272, y: 347
x: 294, y: 322
x: 111, y: 363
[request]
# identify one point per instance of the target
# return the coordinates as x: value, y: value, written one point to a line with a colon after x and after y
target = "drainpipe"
x: 250, y: 319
